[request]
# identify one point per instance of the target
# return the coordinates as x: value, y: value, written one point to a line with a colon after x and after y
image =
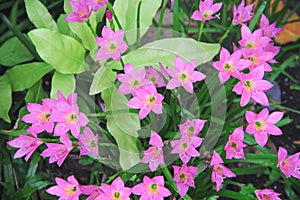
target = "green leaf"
x: 6, y: 98
x: 63, y: 26
x: 39, y: 15
x: 127, y: 12
x: 13, y: 52
x: 165, y: 51
x: 22, y: 77
x: 123, y: 127
x: 64, y: 53
x: 63, y: 82
x: 83, y: 31
x: 103, y: 79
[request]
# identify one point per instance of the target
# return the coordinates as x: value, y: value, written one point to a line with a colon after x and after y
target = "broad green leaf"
x: 127, y: 12
x: 103, y: 79
x: 123, y: 127
x: 83, y: 31
x: 166, y: 50
x: 64, y: 53
x: 13, y: 52
x: 6, y: 98
x: 63, y: 82
x: 22, y: 77
x: 39, y: 15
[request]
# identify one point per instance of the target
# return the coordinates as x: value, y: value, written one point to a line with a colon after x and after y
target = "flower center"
x: 266, y: 197
x: 136, y: 83
x: 113, y: 46
x: 183, y: 76
x: 44, y: 116
x: 206, y: 14
x: 183, y: 177
x: 233, y: 145
x: 184, y: 145
x: 286, y: 164
x: 73, y: 117
x: 152, y: 100
x: 153, y: 188
x: 70, y: 191
x: 117, y: 194
x: 248, y: 85
x: 153, y: 79
x: 93, y: 144
x: 259, y: 125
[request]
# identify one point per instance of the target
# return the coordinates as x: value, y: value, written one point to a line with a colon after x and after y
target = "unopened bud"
x: 109, y: 15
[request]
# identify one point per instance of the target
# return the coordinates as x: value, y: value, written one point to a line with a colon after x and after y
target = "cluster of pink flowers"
x: 58, y: 117
x: 142, y: 84
x: 82, y: 9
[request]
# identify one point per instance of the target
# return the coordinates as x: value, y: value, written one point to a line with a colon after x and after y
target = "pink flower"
x: 154, y: 155
x: 97, y: 4
x: 131, y: 80
x: 81, y: 11
x: 111, y: 44
x: 258, y: 57
x: 164, y: 72
x: 67, y: 116
x: 155, y: 77
x: 116, y: 191
x: 88, y: 143
x: 230, y: 65
x: 184, y: 178
x: 26, y: 144
x: 219, y: 171
x: 251, y: 86
x: 253, y: 40
x: 263, y: 124
x: 146, y: 99
x: 94, y: 192
x: 58, y: 152
x: 267, y: 194
x: 289, y: 166
x: 186, y: 147
x: 191, y: 128
x: 206, y: 10
x: 39, y: 117
x: 234, y: 146
x: 151, y: 188
x: 65, y: 189
x: 268, y: 29
x: 171, y: 6
x: 184, y: 74
x: 242, y: 13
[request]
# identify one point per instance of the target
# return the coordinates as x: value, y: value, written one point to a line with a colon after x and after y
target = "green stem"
x: 122, y: 62
x: 90, y: 26
x: 138, y: 32
x: 200, y: 31
x: 225, y: 35
x: 111, y: 113
x: 161, y: 16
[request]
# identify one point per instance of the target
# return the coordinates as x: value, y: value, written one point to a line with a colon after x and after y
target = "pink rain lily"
x: 155, y: 77
x: 230, y: 65
x: 258, y: 57
x: 81, y: 11
x: 154, y: 155
x: 68, y: 118
x: 26, y: 144
x: 97, y: 4
x: 171, y: 6
x: 191, y: 128
x: 289, y: 166
x: 206, y: 10
x: 242, y: 13
x: 151, y: 188
x: 146, y: 99
x: 184, y: 74
x: 268, y: 29
x: 111, y: 44
x: 58, y: 152
x: 131, y: 80
x: 88, y: 143
x: 219, y: 171
x: 234, y: 146
x: 184, y: 178
x: 164, y: 72
x: 253, y: 40
x: 272, y: 49
x: 186, y: 147
x: 66, y: 189
x: 251, y: 86
x: 267, y: 194
x: 94, y: 192
x: 116, y: 191
x: 263, y: 124
x: 39, y: 117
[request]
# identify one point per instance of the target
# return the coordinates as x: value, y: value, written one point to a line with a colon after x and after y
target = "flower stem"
x: 200, y: 31
x: 225, y: 35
